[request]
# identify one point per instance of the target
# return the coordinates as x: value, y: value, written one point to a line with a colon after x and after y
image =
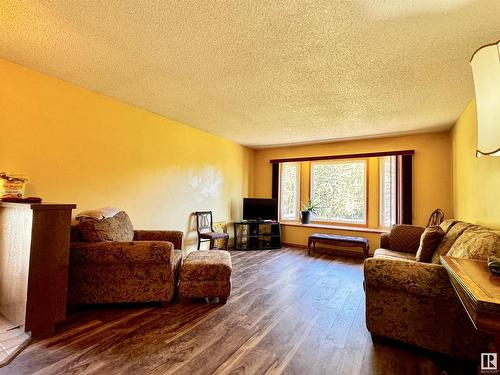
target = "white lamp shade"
x: 485, y: 65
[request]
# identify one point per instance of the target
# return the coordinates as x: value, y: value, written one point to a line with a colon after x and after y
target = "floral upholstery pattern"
x: 405, y: 238
x: 385, y: 242
x: 173, y: 236
x: 449, y: 239
x: 117, y: 228
x: 207, y: 265
x: 391, y: 254
x: 447, y: 224
x: 434, y: 323
x: 120, y: 283
x: 476, y: 243
x: 206, y: 273
x: 409, y: 276
x: 141, y: 252
x: 429, y: 241
x: 414, y: 302
x: 116, y: 272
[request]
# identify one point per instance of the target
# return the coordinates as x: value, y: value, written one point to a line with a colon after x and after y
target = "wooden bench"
x: 333, y: 239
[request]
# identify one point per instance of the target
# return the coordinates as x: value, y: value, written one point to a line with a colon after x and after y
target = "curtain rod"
x: 345, y: 156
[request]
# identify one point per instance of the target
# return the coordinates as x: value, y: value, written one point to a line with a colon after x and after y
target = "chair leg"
x: 199, y: 243
x: 211, y: 246
x: 227, y: 243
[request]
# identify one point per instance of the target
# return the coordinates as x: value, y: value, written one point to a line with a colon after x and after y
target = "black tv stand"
x: 257, y: 235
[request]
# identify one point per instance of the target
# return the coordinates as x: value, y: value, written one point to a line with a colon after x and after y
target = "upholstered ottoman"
x: 206, y: 273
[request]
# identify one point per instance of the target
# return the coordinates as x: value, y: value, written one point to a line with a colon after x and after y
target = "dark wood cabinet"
x: 257, y: 235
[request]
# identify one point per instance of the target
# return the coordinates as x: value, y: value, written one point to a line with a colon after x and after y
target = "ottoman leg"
x: 184, y: 300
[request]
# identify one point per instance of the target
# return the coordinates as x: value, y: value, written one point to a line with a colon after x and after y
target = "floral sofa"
x: 414, y: 302
x: 141, y: 270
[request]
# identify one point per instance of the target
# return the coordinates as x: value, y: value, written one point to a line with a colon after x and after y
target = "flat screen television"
x: 260, y: 209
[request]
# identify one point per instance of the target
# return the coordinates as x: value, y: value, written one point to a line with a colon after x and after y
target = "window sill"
x: 337, y: 227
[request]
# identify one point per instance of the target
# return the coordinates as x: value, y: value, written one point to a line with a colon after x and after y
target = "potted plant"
x: 312, y: 207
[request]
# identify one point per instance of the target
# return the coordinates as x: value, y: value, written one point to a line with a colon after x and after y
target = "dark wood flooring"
x: 288, y: 314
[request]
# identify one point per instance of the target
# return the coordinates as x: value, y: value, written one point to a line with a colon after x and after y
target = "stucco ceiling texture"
x: 264, y: 73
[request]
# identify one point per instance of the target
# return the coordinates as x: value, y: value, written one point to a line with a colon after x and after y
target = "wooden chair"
x: 204, y: 227
x: 436, y: 218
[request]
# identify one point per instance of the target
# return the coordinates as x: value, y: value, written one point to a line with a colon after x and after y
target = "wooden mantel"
x: 34, y: 255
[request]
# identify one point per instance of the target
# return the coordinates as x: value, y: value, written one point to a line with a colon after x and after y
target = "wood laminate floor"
x: 12, y: 340
x: 288, y: 314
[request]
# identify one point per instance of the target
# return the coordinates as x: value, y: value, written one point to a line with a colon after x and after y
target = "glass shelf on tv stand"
x: 257, y: 235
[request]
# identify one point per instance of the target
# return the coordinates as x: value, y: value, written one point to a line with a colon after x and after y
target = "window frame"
x: 367, y: 191
x: 395, y: 186
x: 297, y: 193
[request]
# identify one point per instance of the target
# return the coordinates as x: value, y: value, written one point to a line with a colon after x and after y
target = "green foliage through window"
x: 340, y: 190
x: 289, y: 190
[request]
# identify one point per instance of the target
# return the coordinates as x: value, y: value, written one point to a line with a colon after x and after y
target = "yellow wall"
x: 476, y: 181
x: 432, y: 176
x: 80, y: 147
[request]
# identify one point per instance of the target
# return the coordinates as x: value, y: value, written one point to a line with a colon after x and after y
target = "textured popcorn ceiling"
x: 264, y: 72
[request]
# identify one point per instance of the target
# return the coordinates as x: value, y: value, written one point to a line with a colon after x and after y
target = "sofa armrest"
x: 405, y: 238
x: 422, y: 279
x: 99, y: 253
x: 384, y: 241
x: 173, y: 236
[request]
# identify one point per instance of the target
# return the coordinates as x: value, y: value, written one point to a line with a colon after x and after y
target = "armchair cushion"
x: 476, y: 243
x: 385, y: 253
x: 449, y: 239
x: 117, y: 228
x: 422, y: 279
x: 429, y: 242
x: 138, y: 252
x: 405, y: 238
x: 173, y: 236
x: 211, y: 265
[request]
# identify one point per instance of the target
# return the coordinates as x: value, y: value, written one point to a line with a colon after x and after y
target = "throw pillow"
x: 476, y: 243
x: 117, y: 228
x: 429, y: 242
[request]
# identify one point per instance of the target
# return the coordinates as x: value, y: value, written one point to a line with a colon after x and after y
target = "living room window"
x: 388, y: 193
x: 290, y: 191
x: 340, y: 189
x: 369, y: 190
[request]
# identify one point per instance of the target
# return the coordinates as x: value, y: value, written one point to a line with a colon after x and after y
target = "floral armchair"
x: 142, y: 270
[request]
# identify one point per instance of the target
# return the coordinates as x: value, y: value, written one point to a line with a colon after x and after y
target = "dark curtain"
x: 405, y: 189
x: 276, y: 184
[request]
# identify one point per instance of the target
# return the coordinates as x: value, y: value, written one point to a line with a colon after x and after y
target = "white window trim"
x: 381, y: 198
x: 297, y: 194
x: 340, y: 161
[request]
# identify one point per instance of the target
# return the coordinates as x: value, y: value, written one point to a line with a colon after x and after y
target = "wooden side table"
x: 478, y: 290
